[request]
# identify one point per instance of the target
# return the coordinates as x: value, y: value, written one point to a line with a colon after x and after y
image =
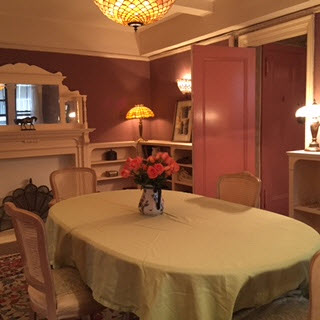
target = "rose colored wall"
x: 112, y: 87
x: 165, y: 92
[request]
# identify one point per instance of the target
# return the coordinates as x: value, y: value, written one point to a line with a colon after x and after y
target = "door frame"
x: 282, y: 31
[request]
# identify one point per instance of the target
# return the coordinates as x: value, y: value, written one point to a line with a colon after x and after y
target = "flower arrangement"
x: 152, y: 172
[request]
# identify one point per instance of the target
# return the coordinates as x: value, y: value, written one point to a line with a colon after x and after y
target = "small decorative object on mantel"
x: 152, y: 174
x: 112, y: 173
x: 26, y: 123
x: 111, y: 155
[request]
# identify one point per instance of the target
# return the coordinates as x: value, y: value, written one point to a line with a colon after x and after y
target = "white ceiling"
x: 78, y: 26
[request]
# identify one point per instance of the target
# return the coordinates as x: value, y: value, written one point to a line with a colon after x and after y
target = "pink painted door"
x: 223, y: 81
x: 283, y: 89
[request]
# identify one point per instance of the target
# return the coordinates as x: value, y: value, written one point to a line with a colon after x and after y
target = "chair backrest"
x: 72, y: 182
x: 30, y: 233
x: 243, y: 188
x: 314, y: 290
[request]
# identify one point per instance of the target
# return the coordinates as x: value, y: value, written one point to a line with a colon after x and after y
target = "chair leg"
x: 32, y: 315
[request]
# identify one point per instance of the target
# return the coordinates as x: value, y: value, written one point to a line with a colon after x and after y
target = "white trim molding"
x: 283, y: 31
x: 290, y: 29
x: 171, y: 52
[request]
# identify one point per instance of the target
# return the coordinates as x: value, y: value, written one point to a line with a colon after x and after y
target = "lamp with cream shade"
x: 140, y: 112
x: 312, y: 112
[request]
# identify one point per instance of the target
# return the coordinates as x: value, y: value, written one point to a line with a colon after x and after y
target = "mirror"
x: 30, y: 91
x: 18, y: 101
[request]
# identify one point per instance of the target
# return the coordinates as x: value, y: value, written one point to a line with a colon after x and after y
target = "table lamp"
x: 312, y: 112
x: 140, y: 112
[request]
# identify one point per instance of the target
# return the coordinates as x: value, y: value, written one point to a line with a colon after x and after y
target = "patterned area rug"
x: 14, y: 301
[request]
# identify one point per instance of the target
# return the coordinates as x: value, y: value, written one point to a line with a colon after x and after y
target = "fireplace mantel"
x: 37, y: 143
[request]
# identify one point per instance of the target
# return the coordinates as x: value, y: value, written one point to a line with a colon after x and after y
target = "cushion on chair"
x: 73, y: 297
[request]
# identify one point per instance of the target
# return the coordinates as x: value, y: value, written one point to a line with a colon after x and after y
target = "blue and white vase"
x: 151, y: 202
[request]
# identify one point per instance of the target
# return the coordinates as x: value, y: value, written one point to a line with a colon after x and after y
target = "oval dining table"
x: 202, y: 259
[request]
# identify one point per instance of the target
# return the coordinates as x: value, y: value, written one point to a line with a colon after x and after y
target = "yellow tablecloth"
x: 203, y: 259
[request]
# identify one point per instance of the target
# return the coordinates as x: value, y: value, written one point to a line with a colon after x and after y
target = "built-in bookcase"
x: 100, y: 164
x: 181, y: 152
x: 304, y: 187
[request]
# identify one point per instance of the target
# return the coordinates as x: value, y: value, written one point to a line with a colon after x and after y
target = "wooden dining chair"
x: 54, y: 294
x: 292, y: 306
x: 72, y: 182
x: 243, y: 188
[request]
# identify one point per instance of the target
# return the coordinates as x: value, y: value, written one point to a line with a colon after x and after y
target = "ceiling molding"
x: 195, y: 8
x: 72, y: 51
x: 206, y: 42
x: 275, y: 33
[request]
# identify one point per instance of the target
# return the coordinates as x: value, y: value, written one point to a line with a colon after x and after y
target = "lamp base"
x: 312, y: 149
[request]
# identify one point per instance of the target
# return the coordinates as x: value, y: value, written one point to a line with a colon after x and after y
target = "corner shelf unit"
x: 98, y: 162
x: 304, y: 187
x: 182, y: 181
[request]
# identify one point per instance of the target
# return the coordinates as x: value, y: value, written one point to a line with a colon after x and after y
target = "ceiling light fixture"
x: 134, y: 13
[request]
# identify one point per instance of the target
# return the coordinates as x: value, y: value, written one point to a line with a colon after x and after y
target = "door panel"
x: 283, y: 89
x: 223, y: 81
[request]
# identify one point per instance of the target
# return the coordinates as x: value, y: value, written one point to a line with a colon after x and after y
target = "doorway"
x: 283, y: 91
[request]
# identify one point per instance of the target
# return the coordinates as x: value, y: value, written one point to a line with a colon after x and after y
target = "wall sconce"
x: 313, y: 112
x: 185, y: 85
x: 2, y: 86
x: 140, y: 112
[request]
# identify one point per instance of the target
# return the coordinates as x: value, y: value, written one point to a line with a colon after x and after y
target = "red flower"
x: 165, y: 156
x: 159, y: 167
x: 169, y: 161
x: 151, y: 159
x: 125, y: 173
x: 152, y: 172
x: 174, y: 167
x: 168, y: 171
x: 156, y: 168
x: 135, y: 164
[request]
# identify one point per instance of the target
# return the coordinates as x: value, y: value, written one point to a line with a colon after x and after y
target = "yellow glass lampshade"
x: 135, y: 13
x: 139, y: 111
x: 2, y: 86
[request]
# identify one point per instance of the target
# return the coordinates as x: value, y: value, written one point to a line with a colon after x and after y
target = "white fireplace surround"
x: 47, y: 140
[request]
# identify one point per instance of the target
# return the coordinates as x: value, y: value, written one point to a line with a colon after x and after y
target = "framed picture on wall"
x: 183, y: 122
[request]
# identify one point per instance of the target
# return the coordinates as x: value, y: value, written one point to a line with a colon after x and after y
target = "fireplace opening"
x: 31, y: 198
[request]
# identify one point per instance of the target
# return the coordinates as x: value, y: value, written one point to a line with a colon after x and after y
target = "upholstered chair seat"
x: 54, y: 294
x: 73, y: 297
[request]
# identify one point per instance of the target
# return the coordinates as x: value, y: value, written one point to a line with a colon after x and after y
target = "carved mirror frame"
x: 22, y: 73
